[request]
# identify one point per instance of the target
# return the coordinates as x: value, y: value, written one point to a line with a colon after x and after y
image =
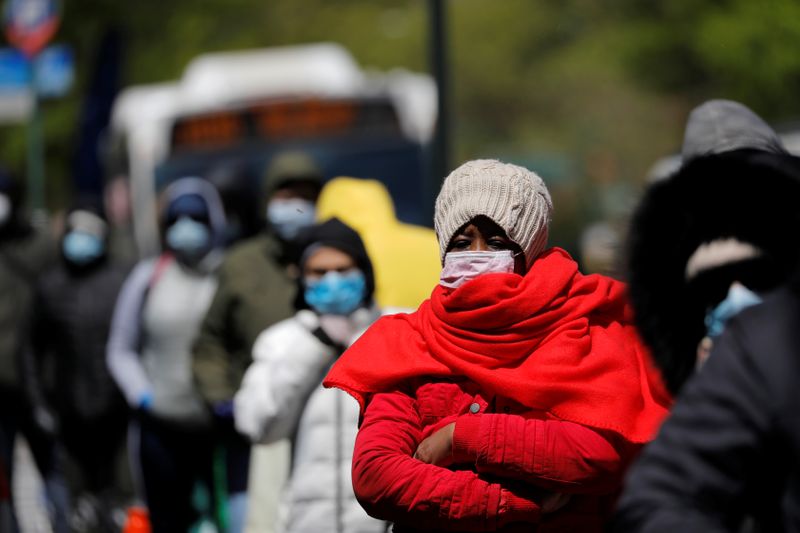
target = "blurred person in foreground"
x: 515, y: 396
x: 25, y: 253
x: 728, y: 249
x: 728, y: 458
x: 82, y: 406
x: 707, y: 240
x: 255, y: 291
x: 405, y: 256
x: 281, y: 394
x: 156, y: 318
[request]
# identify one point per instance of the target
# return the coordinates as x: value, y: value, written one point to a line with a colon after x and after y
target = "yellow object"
x: 405, y: 257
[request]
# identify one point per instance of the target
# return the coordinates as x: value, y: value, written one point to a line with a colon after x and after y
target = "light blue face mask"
x: 188, y: 236
x: 288, y: 216
x: 81, y: 248
x: 335, y: 293
x: 738, y: 299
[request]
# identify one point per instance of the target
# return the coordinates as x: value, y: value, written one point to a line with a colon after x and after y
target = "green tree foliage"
x: 740, y: 49
x: 589, y: 92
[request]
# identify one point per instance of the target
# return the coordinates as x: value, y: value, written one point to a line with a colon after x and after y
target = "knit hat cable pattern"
x: 513, y: 197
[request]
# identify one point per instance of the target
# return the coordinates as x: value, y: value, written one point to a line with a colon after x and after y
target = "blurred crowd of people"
x: 300, y: 360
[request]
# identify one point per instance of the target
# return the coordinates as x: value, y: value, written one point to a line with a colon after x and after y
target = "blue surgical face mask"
x: 82, y: 248
x: 335, y: 293
x: 738, y: 299
x: 288, y: 216
x: 188, y: 236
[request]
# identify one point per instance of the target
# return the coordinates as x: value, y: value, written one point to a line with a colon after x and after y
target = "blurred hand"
x: 438, y: 448
x: 145, y: 401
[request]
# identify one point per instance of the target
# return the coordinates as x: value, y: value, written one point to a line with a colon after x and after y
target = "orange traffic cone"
x: 138, y: 521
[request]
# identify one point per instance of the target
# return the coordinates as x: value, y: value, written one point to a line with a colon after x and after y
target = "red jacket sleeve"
x: 557, y: 455
x: 391, y: 485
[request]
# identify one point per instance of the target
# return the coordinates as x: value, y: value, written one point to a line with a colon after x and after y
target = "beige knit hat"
x: 513, y: 197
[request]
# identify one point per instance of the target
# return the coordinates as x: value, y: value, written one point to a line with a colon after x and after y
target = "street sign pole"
x: 29, y: 26
x: 36, y: 154
x: 438, y: 49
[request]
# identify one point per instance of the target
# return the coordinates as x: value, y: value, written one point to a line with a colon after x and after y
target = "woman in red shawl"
x: 514, y: 397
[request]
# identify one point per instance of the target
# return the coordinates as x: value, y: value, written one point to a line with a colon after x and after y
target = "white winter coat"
x: 281, y: 394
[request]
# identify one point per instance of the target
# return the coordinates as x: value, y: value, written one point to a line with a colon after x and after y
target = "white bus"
x: 250, y: 105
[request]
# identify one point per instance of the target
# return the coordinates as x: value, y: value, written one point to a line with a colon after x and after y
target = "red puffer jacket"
x: 510, y: 460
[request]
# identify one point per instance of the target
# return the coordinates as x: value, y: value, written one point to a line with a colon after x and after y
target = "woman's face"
x: 481, y: 234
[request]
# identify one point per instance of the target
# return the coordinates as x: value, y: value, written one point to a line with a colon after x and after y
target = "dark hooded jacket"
x: 25, y: 252
x: 731, y: 448
x: 744, y: 187
x: 72, y: 315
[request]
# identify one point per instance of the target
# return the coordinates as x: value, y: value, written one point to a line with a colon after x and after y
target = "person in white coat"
x: 281, y: 394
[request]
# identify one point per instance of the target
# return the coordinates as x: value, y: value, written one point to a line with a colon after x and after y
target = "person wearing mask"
x: 515, y: 396
x: 83, y: 407
x: 405, y: 256
x: 25, y: 253
x: 281, y: 394
x: 156, y: 318
x: 727, y: 458
x: 729, y: 208
x: 255, y: 290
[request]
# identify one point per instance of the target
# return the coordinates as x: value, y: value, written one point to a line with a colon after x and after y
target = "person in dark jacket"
x: 721, y: 218
x: 83, y: 407
x: 731, y: 448
x: 256, y: 290
x: 25, y: 252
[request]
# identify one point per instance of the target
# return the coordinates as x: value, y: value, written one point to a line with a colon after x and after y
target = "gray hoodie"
x: 157, y: 316
x: 718, y: 126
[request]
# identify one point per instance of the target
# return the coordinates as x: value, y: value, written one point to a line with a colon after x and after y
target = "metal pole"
x: 440, y: 157
x: 35, y: 151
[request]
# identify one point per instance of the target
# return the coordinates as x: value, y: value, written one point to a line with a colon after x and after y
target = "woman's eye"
x: 461, y: 243
x: 498, y: 243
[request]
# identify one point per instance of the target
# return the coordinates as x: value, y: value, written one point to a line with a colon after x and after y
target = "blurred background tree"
x: 587, y: 92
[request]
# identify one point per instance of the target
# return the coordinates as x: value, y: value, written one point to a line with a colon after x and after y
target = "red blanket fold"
x: 554, y: 340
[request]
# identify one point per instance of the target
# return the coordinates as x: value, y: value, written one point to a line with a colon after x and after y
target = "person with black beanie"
x: 281, y: 394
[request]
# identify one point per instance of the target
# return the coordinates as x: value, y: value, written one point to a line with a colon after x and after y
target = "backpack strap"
x: 325, y: 339
x: 158, y: 270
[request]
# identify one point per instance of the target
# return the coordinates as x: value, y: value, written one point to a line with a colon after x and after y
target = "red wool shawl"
x: 553, y: 340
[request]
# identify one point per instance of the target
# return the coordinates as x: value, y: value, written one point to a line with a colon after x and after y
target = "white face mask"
x: 460, y: 267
